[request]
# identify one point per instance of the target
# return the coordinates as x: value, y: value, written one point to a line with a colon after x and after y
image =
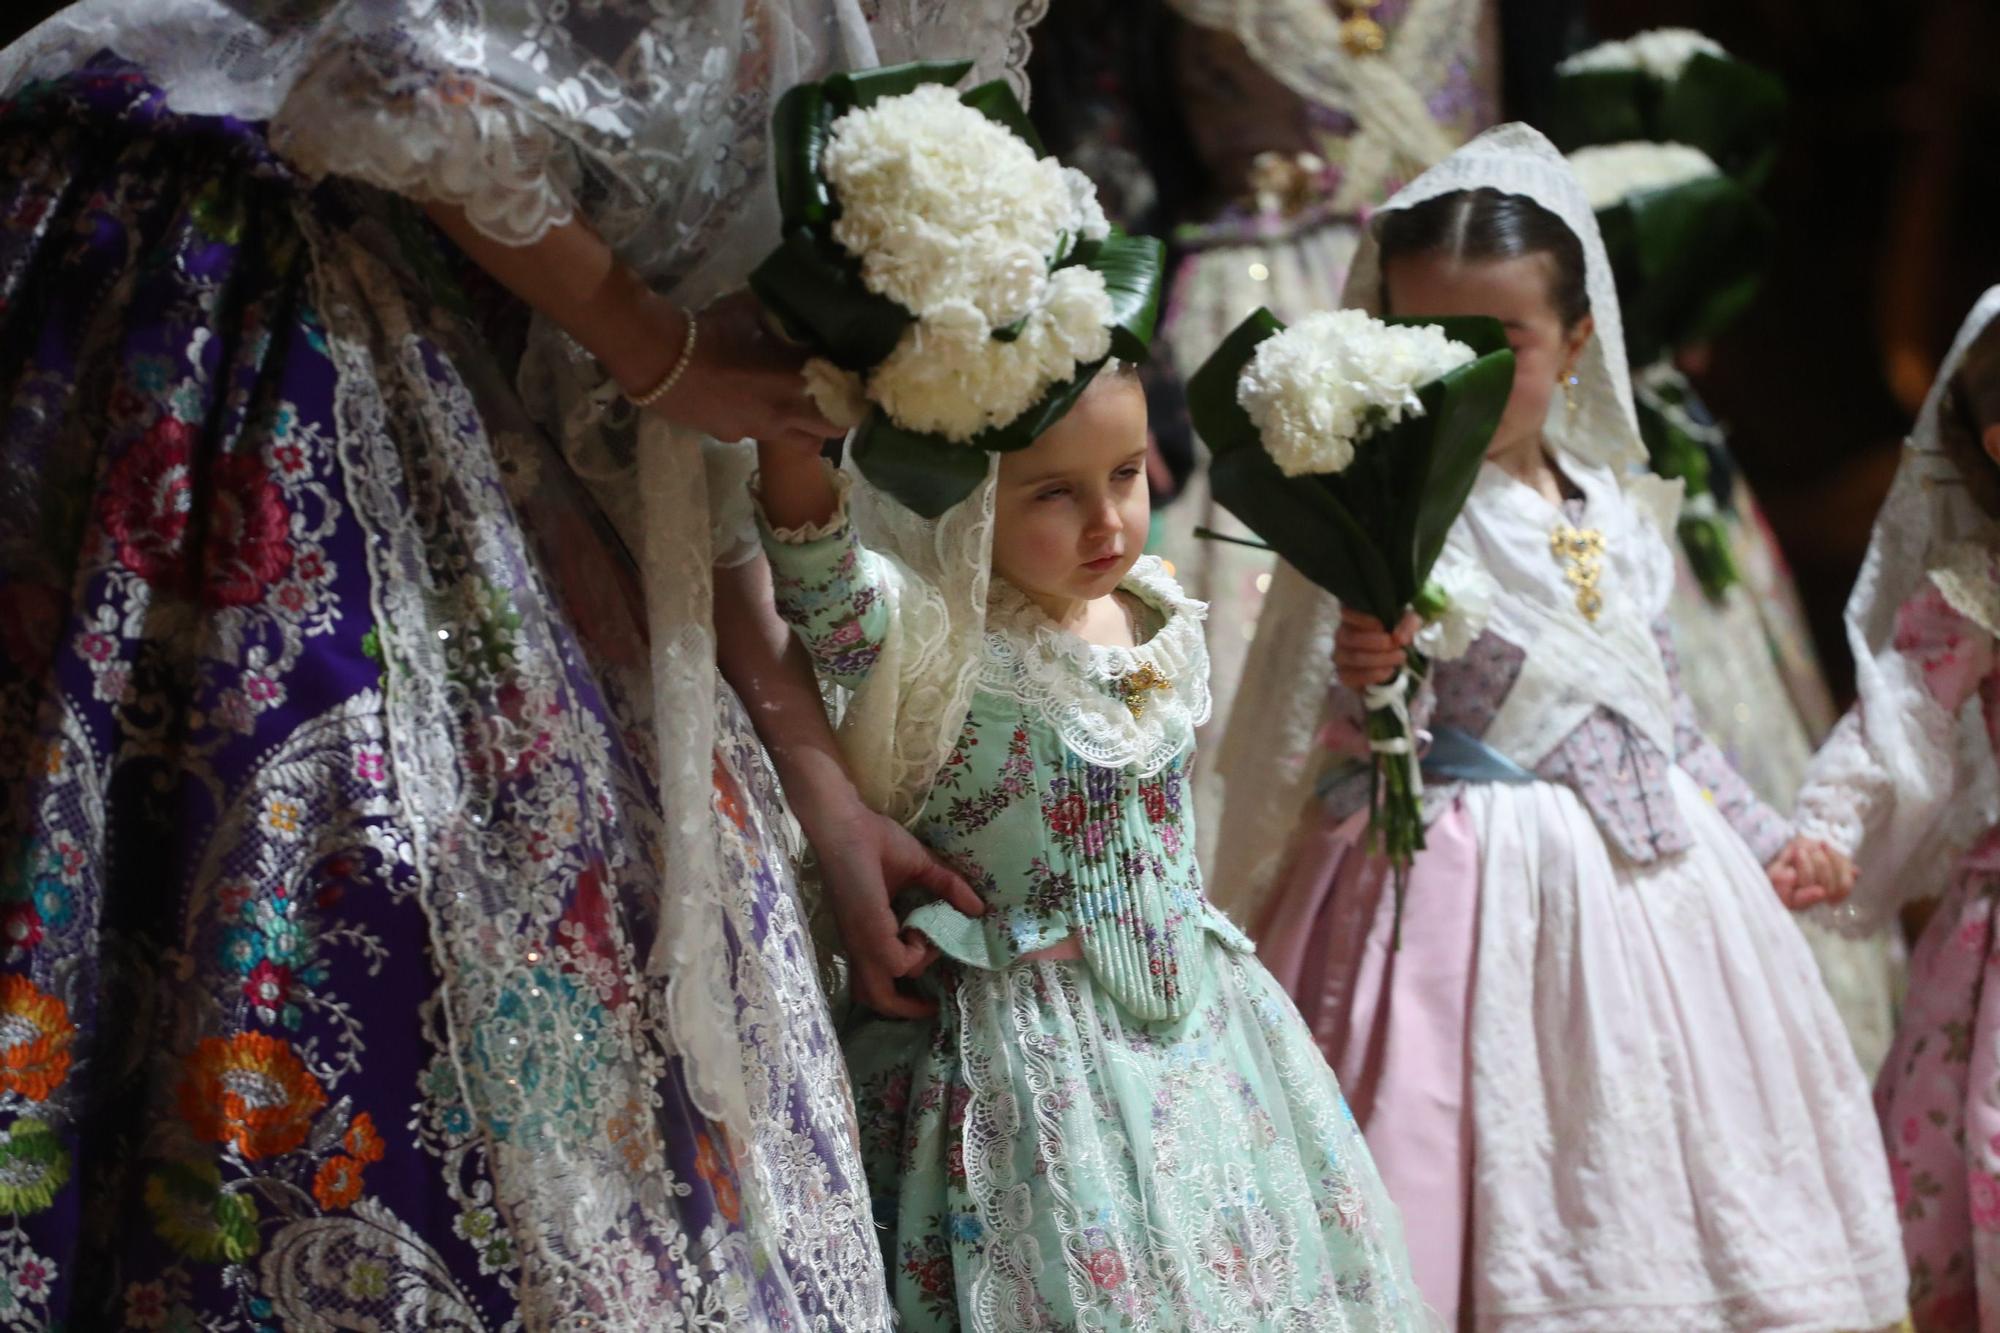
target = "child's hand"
x: 865, y: 862
x: 1364, y: 653
x: 1808, y: 873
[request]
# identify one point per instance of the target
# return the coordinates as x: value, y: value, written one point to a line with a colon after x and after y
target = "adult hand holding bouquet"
x: 958, y: 288
x: 1350, y: 444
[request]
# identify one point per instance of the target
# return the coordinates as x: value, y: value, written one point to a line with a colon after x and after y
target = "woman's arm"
x: 739, y: 381
x: 865, y: 858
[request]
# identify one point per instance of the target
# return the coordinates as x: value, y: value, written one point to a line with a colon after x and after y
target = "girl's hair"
x: 1486, y: 224
x: 1971, y: 404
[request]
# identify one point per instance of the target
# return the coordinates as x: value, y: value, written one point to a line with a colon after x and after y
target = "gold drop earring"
x: 1569, y: 394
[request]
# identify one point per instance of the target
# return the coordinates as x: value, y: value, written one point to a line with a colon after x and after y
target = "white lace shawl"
x: 1899, y: 783
x: 1270, y: 754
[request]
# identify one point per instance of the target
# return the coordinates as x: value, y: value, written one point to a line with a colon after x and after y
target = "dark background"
x: 1887, y: 195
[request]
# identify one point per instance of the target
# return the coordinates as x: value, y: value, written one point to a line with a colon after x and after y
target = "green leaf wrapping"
x: 924, y: 474
x: 819, y: 299
x: 1601, y: 106
x: 1730, y: 110
x: 1133, y: 268
x: 1369, y: 535
x: 1676, y: 455
x: 1687, y: 261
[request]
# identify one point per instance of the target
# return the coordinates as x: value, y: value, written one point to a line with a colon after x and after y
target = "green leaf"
x: 869, y: 86
x: 1134, y: 273
x: 996, y: 102
x: 1211, y: 391
x: 821, y: 302
x: 1308, y: 526
x: 1465, y: 409
x: 1730, y: 110
x: 924, y: 473
x: 799, y: 128
x: 1687, y: 261
x: 1025, y: 429
x: 1601, y: 106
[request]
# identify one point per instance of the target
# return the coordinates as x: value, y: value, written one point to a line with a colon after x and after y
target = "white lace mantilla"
x: 1073, y: 685
x: 1966, y: 578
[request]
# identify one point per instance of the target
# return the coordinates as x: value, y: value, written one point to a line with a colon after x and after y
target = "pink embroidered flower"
x: 72, y: 858
x: 1170, y: 840
x: 267, y: 985
x: 20, y: 926
x: 1107, y: 1270
x: 292, y: 596
x: 847, y: 632
x: 96, y: 647
x: 147, y: 499
x: 1911, y: 1129
x: 312, y: 567
x: 371, y: 765
x: 34, y: 1276
x: 1066, y: 816
x: 262, y: 689
x: 1094, y: 837
x: 1984, y: 1193
x: 289, y: 458
x: 247, y: 530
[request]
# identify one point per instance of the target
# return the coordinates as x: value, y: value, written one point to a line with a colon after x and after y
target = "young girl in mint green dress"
x: 1114, y: 1118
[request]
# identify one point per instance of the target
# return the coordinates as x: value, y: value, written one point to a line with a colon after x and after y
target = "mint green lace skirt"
x: 1040, y: 1159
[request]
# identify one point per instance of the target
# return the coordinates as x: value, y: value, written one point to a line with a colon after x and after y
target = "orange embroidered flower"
x: 338, y: 1183
x: 729, y: 797
x: 252, y: 1091
x: 362, y: 1140
x: 35, y: 1036
x: 721, y: 1178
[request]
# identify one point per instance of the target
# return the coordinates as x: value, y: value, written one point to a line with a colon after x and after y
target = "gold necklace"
x: 1360, y: 32
x: 1581, y: 553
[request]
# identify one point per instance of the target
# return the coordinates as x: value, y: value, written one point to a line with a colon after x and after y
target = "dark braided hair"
x: 1488, y: 224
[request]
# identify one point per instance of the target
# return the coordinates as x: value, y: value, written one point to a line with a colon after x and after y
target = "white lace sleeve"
x: 1862, y: 799
x: 362, y: 111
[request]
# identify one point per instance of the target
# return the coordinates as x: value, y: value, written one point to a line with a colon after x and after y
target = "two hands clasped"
x: 1805, y: 874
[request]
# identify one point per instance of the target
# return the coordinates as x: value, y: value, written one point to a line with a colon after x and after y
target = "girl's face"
x: 1515, y: 292
x: 1070, y: 512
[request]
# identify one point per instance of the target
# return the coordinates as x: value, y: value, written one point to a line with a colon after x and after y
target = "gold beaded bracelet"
x: 672, y: 377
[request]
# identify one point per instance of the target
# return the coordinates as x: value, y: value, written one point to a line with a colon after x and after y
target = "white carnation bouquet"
x: 1349, y: 444
x: 1610, y: 173
x: 958, y: 287
x: 1660, y: 52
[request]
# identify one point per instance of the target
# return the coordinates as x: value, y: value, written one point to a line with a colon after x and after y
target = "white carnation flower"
x: 1087, y: 215
x: 1661, y: 52
x: 1611, y: 172
x: 931, y: 190
x: 954, y: 218
x: 1319, y: 388
x: 1469, y: 594
x: 838, y: 394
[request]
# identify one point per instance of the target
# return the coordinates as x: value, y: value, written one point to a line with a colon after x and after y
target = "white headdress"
x: 1928, y: 518
x: 1270, y: 754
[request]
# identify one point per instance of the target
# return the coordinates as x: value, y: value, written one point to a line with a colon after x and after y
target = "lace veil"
x: 1270, y: 751
x: 1928, y: 514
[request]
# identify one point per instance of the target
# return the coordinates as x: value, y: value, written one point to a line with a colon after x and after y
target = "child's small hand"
x: 1365, y: 653
x: 1808, y: 873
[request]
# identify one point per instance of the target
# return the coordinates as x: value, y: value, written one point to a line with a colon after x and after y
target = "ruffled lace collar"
x: 1113, y: 707
x: 1969, y: 579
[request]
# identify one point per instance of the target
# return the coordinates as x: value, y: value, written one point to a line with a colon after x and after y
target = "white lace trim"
x: 480, y: 152
x: 1969, y: 583
x: 1064, y: 679
x: 807, y: 532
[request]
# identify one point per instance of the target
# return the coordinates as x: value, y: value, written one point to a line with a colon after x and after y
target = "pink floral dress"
x: 1939, y: 1092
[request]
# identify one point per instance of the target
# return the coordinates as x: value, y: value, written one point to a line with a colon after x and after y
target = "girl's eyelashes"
x: 1052, y: 493
x: 1127, y: 473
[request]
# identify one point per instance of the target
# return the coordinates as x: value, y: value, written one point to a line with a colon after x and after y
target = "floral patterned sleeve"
x: 830, y: 590
x: 1759, y: 825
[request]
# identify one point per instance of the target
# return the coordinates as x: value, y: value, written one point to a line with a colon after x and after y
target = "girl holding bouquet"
x: 1907, y: 784
x: 1599, y: 1065
x: 1100, y: 1110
